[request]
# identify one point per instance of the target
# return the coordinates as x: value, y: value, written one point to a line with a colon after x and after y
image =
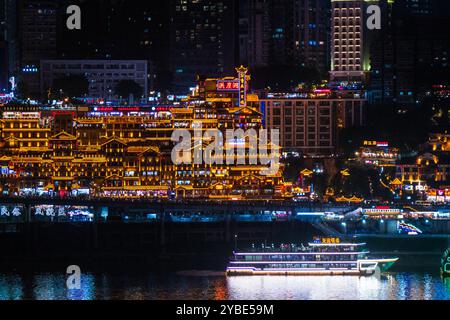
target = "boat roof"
x: 336, y: 244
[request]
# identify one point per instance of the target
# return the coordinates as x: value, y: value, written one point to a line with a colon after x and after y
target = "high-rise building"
x: 349, y: 60
x: 258, y: 39
x: 243, y: 33
x: 8, y: 42
x: 311, y: 125
x: 3, y: 22
x: 417, y: 7
x: 288, y: 32
x: 2, y: 19
x: 3, y: 48
x: 204, y: 40
x: 38, y: 22
x: 282, y: 26
x: 312, y: 34
x: 103, y: 75
x: 122, y: 31
x: 411, y: 52
x: 111, y: 29
x: 382, y: 59
x: 3, y: 66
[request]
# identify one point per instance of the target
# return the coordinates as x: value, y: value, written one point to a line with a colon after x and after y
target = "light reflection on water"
x: 400, y: 286
x: 395, y: 286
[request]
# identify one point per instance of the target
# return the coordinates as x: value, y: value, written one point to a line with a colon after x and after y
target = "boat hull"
x: 256, y: 272
x: 364, y: 268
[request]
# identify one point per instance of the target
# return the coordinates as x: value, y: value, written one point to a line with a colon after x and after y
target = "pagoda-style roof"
x: 246, y: 110
x: 113, y: 177
x: 220, y: 186
x: 353, y: 199
x: 5, y: 158
x: 251, y: 176
x: 113, y: 139
x: 396, y: 182
x: 11, y: 138
x: 63, y: 135
x: 49, y: 186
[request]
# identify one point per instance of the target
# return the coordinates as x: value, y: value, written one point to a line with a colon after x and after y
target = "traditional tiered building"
x: 127, y: 152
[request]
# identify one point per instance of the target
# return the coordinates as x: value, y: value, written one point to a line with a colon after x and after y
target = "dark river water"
x: 216, y: 286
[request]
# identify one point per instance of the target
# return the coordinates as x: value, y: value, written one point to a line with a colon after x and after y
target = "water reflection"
x: 402, y: 286
x: 395, y: 286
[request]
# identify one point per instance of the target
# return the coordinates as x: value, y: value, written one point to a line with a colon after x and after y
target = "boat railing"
x: 300, y: 250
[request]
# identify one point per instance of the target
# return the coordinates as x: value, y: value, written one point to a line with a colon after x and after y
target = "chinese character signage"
x: 227, y: 85
x: 331, y: 240
x: 319, y: 240
x: 376, y: 143
x: 242, y: 76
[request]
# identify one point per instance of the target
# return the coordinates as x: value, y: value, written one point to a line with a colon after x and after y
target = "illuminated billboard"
x: 228, y: 85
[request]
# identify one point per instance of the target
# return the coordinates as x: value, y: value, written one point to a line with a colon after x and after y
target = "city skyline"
x: 266, y: 36
x: 225, y: 150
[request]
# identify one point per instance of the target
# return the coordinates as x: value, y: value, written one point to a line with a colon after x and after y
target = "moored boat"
x: 323, y: 256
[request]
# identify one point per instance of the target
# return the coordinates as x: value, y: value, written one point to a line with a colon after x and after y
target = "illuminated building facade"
x: 126, y: 151
x: 428, y: 176
x: 439, y: 142
x: 348, y: 60
x: 310, y: 124
x: 103, y: 75
x: 377, y: 153
x: 203, y: 40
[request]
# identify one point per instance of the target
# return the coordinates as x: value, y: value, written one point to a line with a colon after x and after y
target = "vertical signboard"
x: 242, y: 76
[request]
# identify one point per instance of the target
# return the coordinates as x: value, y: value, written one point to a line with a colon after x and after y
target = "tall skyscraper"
x: 312, y: 34
x: 204, y: 40
x: 3, y: 48
x: 411, y: 52
x: 349, y: 60
x: 3, y: 5
x: 8, y: 42
x: 282, y: 32
x: 289, y: 32
x: 122, y: 31
x: 382, y: 58
x: 417, y: 7
x: 37, y: 33
x: 259, y: 38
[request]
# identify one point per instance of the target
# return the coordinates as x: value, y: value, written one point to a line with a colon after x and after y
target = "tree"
x: 125, y: 88
x: 73, y: 86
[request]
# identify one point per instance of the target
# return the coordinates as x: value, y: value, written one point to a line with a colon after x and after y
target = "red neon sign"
x: 120, y: 109
x: 133, y: 109
x: 160, y: 109
x: 104, y: 109
x: 227, y: 85
x: 322, y: 91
